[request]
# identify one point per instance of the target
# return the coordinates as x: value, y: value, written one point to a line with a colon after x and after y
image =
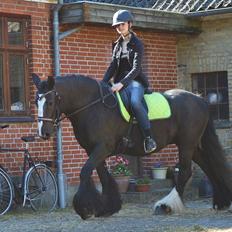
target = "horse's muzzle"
x: 45, y: 137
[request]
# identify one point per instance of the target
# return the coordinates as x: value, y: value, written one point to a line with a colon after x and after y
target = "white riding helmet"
x: 122, y: 16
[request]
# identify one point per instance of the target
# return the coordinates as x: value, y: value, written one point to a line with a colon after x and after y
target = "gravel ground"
x: 197, y: 217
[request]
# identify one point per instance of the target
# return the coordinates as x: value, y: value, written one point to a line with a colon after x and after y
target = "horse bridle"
x: 54, y: 121
x: 58, y: 119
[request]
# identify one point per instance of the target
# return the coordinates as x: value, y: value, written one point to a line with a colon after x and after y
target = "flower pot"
x: 159, y: 173
x: 123, y: 182
x: 142, y: 187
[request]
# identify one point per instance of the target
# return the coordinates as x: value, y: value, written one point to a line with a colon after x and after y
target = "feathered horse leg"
x: 111, y: 197
x: 88, y: 201
x: 172, y: 203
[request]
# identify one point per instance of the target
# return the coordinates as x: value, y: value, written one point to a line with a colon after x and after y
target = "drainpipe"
x: 57, y: 36
x: 60, y: 174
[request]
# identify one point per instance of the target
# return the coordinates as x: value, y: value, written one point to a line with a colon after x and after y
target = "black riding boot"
x: 149, y: 142
x: 149, y: 145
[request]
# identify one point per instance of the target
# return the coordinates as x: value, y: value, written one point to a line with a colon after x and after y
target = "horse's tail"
x: 213, y: 161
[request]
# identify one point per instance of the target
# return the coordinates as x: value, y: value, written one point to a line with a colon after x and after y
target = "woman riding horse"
x: 127, y: 71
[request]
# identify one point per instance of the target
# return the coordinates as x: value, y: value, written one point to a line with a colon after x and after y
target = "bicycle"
x: 6, y: 191
x: 38, y: 184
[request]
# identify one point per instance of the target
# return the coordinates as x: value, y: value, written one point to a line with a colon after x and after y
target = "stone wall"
x: 209, y: 51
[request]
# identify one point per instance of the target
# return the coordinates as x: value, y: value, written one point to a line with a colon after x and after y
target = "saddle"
x: 155, y: 103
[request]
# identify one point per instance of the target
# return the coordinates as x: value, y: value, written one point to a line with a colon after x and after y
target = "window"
x: 14, y: 100
x: 213, y: 87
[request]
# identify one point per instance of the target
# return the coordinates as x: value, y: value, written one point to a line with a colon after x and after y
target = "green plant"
x: 120, y: 167
x: 144, y: 180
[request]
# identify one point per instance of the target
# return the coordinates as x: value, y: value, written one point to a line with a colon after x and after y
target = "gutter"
x: 209, y: 13
x: 101, y: 13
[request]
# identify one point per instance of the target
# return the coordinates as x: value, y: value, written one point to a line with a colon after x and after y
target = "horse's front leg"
x: 110, y: 195
x: 172, y: 203
x: 87, y: 201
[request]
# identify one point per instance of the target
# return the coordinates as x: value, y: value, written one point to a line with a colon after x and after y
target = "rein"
x: 100, y: 99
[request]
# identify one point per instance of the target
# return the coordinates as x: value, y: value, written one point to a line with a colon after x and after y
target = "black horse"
x: 99, y: 128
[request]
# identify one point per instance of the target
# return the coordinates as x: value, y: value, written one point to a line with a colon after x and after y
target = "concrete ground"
x: 197, y: 217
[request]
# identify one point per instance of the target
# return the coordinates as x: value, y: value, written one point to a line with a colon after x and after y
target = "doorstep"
x: 158, y: 190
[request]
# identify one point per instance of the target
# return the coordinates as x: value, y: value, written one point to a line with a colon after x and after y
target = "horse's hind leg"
x: 172, y: 202
x: 221, y: 193
x: 110, y: 194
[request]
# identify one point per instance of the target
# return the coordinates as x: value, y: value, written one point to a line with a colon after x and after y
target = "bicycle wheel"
x: 41, y: 188
x: 6, y: 192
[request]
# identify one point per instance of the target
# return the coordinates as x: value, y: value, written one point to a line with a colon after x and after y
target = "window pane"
x: 198, y: 85
x: 222, y: 79
x: 1, y: 82
x: 195, y: 85
x: 15, y: 33
x: 213, y: 109
x: 17, y: 82
x: 211, y: 80
x: 201, y: 82
x: 223, y: 94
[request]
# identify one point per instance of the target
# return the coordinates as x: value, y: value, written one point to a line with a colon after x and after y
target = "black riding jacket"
x: 133, y: 63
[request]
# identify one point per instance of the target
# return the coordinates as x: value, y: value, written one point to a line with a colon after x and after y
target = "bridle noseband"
x: 54, y: 121
x: 58, y: 119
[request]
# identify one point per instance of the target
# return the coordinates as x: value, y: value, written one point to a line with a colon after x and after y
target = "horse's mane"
x: 75, y: 78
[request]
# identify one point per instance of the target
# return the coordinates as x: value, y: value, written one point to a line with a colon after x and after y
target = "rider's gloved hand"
x: 117, y: 87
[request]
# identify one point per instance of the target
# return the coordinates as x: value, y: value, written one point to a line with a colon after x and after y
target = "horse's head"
x: 46, y: 101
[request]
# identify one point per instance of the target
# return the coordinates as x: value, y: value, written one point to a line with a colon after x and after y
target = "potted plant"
x: 143, y: 184
x: 121, y: 173
x: 159, y: 170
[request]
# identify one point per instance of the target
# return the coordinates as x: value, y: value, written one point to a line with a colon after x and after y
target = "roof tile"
x: 179, y: 6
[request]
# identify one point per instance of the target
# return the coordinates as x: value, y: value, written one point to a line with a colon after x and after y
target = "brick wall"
x: 85, y: 52
x: 210, y: 51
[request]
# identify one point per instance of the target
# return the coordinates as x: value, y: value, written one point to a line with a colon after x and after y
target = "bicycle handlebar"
x: 28, y: 138
x: 24, y: 138
x: 4, y: 126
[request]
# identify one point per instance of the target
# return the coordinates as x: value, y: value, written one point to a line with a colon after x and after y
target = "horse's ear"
x: 36, y: 80
x: 51, y: 82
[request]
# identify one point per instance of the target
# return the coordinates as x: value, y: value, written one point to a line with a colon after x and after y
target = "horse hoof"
x: 83, y: 212
x: 86, y: 216
x: 104, y: 214
x: 162, y: 210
